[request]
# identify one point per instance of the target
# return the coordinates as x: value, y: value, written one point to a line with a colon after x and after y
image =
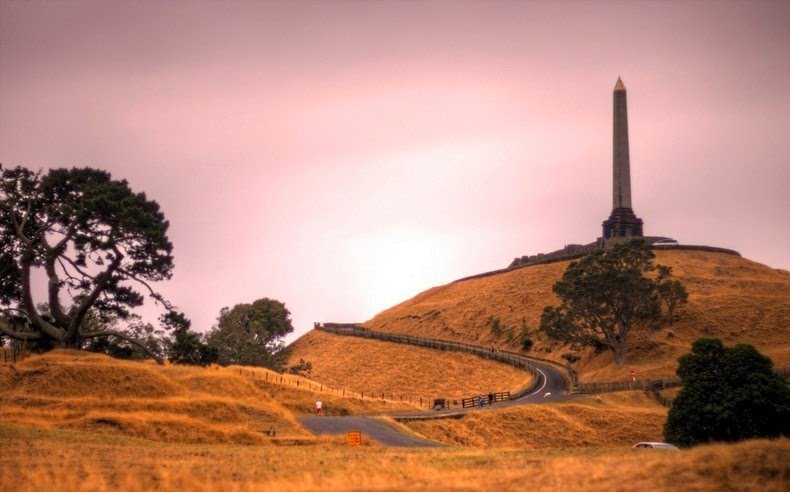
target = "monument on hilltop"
x: 622, y: 222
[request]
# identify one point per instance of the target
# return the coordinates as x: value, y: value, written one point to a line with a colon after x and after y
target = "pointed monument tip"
x: 619, y: 86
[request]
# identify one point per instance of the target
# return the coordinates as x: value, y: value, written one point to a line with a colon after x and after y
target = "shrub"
x: 728, y: 394
x: 496, y: 326
x: 303, y: 368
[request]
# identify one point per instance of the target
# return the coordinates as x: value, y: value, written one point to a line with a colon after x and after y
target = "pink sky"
x: 344, y: 156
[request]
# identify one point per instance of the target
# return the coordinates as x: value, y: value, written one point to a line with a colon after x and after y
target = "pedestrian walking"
x: 490, y: 398
x: 319, y: 408
x: 480, y: 401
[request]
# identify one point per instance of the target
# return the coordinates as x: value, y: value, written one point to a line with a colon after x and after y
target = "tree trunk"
x: 621, y: 350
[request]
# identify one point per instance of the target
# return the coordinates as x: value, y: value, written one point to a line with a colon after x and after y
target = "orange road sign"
x: 354, y: 438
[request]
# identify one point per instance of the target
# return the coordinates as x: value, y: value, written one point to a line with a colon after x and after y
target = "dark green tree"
x: 671, y: 291
x: 252, y: 334
x: 187, y: 346
x: 98, y: 244
x: 603, y: 295
x: 728, y: 394
x: 524, y: 337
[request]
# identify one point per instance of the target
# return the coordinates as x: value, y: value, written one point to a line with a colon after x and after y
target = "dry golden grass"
x: 300, y: 398
x: 82, y: 391
x: 616, y: 419
x: 34, y: 459
x: 377, y: 367
x: 732, y: 298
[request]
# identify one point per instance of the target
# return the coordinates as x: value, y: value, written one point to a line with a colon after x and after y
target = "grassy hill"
x: 66, y: 389
x: 732, y: 298
x: 377, y: 367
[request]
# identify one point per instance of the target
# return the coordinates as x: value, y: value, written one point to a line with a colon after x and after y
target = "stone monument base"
x: 622, y: 222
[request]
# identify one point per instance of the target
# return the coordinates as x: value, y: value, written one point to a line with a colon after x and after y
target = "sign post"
x: 354, y: 438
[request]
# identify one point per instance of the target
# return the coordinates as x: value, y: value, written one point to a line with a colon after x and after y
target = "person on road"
x: 319, y: 408
x: 490, y: 398
x: 480, y: 401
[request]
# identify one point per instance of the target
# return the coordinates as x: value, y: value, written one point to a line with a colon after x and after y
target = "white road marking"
x: 545, y: 380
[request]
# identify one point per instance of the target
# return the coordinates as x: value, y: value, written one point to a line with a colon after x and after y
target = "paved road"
x: 379, y: 430
x: 551, y: 386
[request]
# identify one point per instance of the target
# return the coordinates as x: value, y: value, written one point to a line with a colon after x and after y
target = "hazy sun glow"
x: 343, y: 156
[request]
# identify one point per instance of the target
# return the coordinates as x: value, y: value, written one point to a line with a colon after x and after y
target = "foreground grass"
x: 40, y: 459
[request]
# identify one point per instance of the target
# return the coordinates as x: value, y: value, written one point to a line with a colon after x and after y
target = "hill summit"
x: 732, y: 298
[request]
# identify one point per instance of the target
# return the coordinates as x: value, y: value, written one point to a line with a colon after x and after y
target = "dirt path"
x: 372, y: 428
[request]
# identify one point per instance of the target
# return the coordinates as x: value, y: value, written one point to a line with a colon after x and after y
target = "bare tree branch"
x: 123, y: 336
x: 18, y: 335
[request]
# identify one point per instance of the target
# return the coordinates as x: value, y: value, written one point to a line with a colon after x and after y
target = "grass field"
x: 378, y: 367
x: 67, y: 460
x: 78, y: 421
x: 730, y: 297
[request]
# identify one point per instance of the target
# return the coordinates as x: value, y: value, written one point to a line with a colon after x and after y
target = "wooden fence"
x: 515, y: 359
x: 611, y: 386
x: 508, y: 357
x: 652, y: 386
x: 490, y: 399
x: 308, y: 385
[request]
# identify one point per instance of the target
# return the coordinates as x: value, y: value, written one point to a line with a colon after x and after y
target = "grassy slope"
x: 618, y: 419
x: 730, y: 297
x: 379, y: 367
x: 100, y: 462
x: 82, y: 391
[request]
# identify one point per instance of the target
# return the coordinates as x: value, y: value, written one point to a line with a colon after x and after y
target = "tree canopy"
x: 603, y: 295
x: 671, y: 291
x: 99, y: 244
x: 728, y: 394
x: 252, y: 334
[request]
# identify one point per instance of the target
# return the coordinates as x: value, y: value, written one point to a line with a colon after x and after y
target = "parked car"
x: 663, y: 446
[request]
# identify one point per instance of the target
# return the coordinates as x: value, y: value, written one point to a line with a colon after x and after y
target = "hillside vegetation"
x: 732, y: 298
x: 378, y: 367
x: 617, y: 419
x: 66, y: 389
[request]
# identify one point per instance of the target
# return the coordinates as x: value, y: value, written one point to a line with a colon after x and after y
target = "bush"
x: 728, y: 394
x: 303, y: 368
x: 496, y: 326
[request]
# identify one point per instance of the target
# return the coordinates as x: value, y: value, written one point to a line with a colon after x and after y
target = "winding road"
x: 551, y: 385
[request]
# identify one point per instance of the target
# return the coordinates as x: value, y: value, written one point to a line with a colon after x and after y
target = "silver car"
x: 656, y: 445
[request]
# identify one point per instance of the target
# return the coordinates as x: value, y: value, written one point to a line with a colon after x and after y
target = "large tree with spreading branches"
x: 99, y: 245
x: 604, y: 295
x: 252, y: 334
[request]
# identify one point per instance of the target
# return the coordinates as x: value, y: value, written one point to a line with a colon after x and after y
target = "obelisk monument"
x: 622, y: 222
